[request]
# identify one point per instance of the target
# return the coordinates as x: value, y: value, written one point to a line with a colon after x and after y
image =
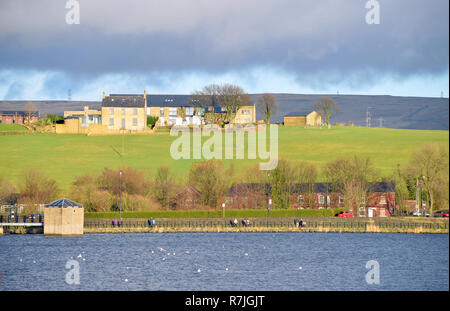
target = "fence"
x: 282, y: 222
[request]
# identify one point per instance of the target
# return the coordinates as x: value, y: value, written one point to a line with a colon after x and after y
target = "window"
x: 200, y: 111
x: 189, y: 111
x: 301, y: 199
x: 173, y: 112
x: 134, y: 121
x: 111, y: 121
x: 135, y: 111
x: 91, y: 118
x: 363, y: 199
x: 245, y: 112
x: 321, y: 199
x: 161, y: 112
x: 341, y: 199
x: 123, y: 111
x: 382, y: 199
x: 111, y: 110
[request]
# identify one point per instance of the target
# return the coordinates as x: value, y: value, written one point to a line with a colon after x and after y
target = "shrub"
x: 37, y: 188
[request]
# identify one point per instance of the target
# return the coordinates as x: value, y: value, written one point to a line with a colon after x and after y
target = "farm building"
x: 18, y: 117
x: 305, y: 118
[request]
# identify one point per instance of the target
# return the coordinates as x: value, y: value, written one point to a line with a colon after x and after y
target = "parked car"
x: 345, y: 214
x: 441, y: 214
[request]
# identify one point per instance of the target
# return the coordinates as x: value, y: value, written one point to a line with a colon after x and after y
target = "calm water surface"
x: 225, y: 261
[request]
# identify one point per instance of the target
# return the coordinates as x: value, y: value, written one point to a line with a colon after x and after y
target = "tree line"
x: 138, y: 191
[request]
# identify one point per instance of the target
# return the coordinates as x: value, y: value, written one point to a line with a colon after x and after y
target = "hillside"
x: 63, y: 157
x: 423, y: 113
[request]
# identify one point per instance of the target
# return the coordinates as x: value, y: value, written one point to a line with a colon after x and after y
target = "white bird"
x: 226, y: 269
x: 164, y: 258
x: 246, y: 254
x: 300, y: 268
x: 199, y: 270
x: 126, y: 280
x: 79, y: 256
x: 153, y: 252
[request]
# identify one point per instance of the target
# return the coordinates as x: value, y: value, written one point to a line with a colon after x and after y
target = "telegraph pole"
x: 368, y: 117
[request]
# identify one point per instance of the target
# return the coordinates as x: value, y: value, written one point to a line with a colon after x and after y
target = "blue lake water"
x: 225, y: 261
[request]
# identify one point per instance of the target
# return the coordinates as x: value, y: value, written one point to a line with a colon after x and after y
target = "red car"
x: 441, y: 214
x: 345, y: 214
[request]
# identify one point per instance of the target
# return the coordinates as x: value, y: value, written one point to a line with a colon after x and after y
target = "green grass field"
x: 4, y: 127
x: 63, y: 157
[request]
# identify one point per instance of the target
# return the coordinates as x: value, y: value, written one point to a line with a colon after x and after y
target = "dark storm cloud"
x: 321, y: 40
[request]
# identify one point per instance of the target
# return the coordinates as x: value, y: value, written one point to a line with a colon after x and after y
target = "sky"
x: 177, y: 47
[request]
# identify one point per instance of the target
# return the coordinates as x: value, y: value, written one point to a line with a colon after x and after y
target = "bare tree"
x: 207, y: 97
x: 350, y: 177
x: 267, y: 105
x: 327, y: 107
x: 430, y: 164
x: 164, y: 186
x: 211, y: 179
x: 37, y: 188
x: 6, y: 190
x: 30, y: 109
x: 232, y: 98
x: 306, y: 175
x: 227, y: 96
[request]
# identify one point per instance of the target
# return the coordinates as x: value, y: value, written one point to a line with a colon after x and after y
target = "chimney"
x: 103, y: 95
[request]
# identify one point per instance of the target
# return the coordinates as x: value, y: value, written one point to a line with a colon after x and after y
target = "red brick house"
x: 18, y: 117
x: 188, y: 198
x: 380, y: 200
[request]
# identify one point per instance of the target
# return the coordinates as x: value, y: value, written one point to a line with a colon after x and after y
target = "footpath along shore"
x: 262, y: 224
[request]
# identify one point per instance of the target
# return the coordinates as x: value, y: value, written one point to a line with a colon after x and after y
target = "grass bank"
x: 66, y: 156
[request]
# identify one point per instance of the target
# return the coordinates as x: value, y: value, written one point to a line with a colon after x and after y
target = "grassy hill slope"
x: 66, y: 156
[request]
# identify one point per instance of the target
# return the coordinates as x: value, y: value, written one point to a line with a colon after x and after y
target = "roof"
x: 64, y: 203
x: 124, y: 100
x: 20, y: 113
x: 170, y: 101
x: 377, y: 187
x: 303, y: 113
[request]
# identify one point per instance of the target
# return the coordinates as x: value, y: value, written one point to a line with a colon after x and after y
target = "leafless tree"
x: 232, y: 98
x: 327, y: 107
x: 306, y: 175
x: 211, y: 178
x: 431, y: 164
x: 351, y: 177
x: 207, y: 97
x: 30, y: 109
x: 267, y: 105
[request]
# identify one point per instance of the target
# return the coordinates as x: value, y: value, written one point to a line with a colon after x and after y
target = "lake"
x: 225, y: 261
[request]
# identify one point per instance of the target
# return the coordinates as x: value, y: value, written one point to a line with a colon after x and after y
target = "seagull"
x: 226, y: 269
x: 79, y: 256
x: 246, y: 254
x: 199, y: 270
x: 300, y: 268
